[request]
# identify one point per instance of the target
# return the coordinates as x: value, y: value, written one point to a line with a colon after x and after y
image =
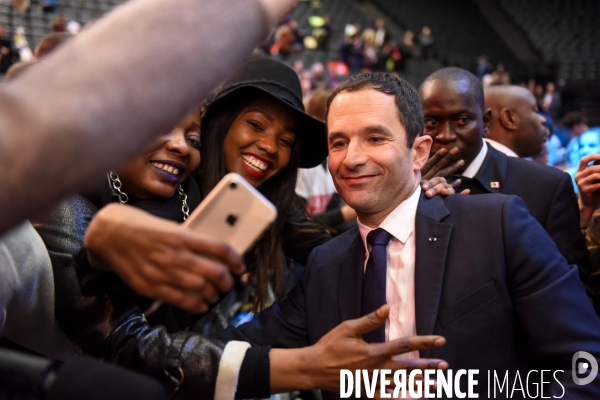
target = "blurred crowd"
x: 374, y: 49
x: 362, y: 49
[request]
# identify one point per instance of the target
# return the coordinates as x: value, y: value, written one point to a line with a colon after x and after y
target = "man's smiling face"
x: 371, y: 164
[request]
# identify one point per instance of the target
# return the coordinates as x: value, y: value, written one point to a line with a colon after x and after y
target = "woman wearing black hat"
x: 257, y: 118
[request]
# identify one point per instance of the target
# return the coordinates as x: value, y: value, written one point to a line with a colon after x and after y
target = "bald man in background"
x: 516, y: 128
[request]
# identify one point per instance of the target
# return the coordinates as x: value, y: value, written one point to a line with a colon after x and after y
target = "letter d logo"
x: 582, y: 367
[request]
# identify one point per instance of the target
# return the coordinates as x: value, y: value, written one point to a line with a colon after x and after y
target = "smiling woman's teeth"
x: 255, y: 163
x: 170, y: 169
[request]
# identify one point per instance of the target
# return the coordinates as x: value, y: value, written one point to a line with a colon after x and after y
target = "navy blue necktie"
x: 374, y: 283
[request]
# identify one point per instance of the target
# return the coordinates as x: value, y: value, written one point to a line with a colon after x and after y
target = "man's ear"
x: 487, y: 121
x: 508, y: 119
x: 420, y: 151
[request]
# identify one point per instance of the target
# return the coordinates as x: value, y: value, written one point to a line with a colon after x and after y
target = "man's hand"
x: 4, y: 51
x: 161, y: 259
x: 344, y: 348
x: 437, y: 185
x: 443, y: 163
x: 318, y: 366
x: 588, y: 182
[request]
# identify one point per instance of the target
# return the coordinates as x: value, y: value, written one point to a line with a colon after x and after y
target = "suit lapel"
x: 351, y: 274
x: 432, y: 238
x: 492, y: 173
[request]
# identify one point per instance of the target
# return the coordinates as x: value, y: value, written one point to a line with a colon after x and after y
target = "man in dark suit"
x: 453, y: 106
x: 478, y: 270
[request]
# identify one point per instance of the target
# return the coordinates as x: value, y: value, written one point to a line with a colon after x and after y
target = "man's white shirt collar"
x: 502, y: 148
x: 473, y: 168
x: 400, y: 223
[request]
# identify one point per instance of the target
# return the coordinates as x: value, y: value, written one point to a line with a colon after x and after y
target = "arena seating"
x: 459, y: 29
x: 37, y: 24
x: 567, y: 32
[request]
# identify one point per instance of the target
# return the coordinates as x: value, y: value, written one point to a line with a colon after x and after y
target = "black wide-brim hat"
x: 266, y: 76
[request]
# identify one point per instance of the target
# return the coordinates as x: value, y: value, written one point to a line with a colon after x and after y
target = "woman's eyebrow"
x: 271, y: 118
x: 261, y: 111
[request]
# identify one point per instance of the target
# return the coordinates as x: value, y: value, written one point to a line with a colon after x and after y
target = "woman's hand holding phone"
x: 161, y: 259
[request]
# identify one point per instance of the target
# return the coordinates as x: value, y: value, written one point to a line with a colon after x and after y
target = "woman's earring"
x: 184, y: 207
x: 115, y: 185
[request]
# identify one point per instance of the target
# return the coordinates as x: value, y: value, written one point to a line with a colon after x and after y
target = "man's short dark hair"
x: 573, y: 118
x: 456, y: 75
x: 408, y: 104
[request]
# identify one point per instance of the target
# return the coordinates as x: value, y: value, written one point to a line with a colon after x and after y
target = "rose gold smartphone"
x: 233, y: 212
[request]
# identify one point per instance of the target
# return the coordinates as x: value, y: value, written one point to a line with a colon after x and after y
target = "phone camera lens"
x: 233, y: 185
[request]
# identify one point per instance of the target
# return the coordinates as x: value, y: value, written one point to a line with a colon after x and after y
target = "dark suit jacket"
x: 493, y: 284
x: 549, y: 196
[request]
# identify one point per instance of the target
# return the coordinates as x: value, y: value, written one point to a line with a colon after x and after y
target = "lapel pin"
x: 495, y: 185
x: 432, y: 239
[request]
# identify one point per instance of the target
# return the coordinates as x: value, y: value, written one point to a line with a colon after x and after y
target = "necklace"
x: 115, y: 185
